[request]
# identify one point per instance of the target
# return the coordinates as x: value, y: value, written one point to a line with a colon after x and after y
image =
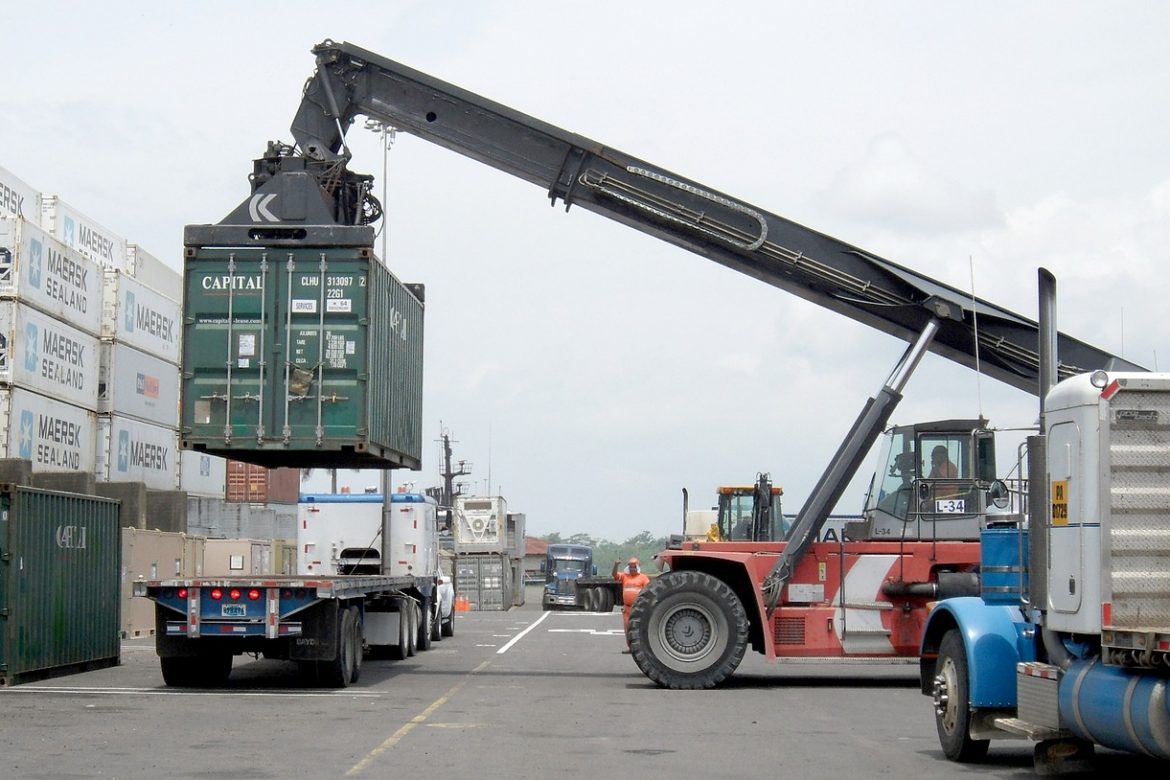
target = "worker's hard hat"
x: 633, y: 561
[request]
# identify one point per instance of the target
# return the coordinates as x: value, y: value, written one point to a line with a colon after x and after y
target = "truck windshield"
x: 563, y: 565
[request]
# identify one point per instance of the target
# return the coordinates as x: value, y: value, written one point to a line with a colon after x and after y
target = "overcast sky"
x: 587, y: 370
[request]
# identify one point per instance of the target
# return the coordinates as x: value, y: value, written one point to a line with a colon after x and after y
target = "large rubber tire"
x: 412, y: 630
x: 338, y: 671
x: 687, y: 630
x: 447, y: 627
x: 437, y: 622
x: 952, y: 702
x: 587, y: 598
x: 427, y: 616
x: 401, y: 651
x: 358, y: 643
x: 606, y: 600
x: 205, y: 671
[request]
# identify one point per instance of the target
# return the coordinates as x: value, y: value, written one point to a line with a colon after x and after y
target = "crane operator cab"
x: 751, y: 513
x: 931, y: 483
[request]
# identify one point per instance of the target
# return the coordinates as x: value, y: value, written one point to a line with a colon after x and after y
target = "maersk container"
x: 201, y: 474
x: 39, y: 270
x: 154, y: 273
x: 302, y: 357
x: 140, y: 316
x: 18, y: 199
x: 133, y: 451
x: 79, y: 232
x: 47, y: 356
x: 135, y: 384
x: 59, y: 583
x: 53, y: 436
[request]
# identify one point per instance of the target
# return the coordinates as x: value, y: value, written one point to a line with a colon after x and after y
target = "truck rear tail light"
x: 216, y: 594
x: 254, y: 594
x: 286, y: 594
x: 182, y: 593
x: 234, y: 594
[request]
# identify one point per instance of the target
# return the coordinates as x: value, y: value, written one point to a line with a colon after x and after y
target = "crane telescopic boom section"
x: 351, y: 81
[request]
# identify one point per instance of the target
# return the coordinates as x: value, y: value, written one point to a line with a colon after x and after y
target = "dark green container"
x: 60, y: 574
x: 301, y: 357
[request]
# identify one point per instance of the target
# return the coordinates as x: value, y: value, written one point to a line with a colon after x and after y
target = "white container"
x: 141, y: 317
x: 54, y: 436
x: 133, y: 451
x: 480, y: 524
x: 336, y: 533
x: 77, y: 231
x: 154, y: 273
x: 47, y: 356
x: 201, y: 474
x: 41, y: 271
x: 19, y: 199
x: 134, y: 384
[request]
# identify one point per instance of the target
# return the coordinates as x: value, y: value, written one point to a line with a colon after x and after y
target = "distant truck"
x: 367, y: 579
x: 571, y: 581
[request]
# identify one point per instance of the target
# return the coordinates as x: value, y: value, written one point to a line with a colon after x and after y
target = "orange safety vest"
x: 631, y: 585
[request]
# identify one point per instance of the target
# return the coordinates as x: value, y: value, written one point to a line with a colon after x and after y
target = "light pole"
x: 388, y: 134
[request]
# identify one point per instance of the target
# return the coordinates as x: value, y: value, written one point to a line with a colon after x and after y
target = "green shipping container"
x: 302, y: 357
x: 60, y: 572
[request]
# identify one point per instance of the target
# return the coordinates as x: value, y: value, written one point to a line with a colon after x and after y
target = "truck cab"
x: 931, y: 482
x: 564, y: 564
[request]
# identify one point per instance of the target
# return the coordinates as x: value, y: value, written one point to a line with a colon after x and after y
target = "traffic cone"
x: 462, y: 604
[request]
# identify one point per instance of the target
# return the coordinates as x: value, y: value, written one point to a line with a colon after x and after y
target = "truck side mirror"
x: 595, y: 570
x: 998, y: 494
x: 542, y: 565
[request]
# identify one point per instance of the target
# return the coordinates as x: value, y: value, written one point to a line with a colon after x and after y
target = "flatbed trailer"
x: 325, y: 624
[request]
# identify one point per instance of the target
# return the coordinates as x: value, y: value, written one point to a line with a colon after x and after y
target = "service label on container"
x: 19, y: 199
x: 139, y: 385
x: 53, y: 436
x: 48, y: 356
x: 49, y: 275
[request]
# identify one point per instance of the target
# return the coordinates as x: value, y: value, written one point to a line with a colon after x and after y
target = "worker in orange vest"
x: 632, y: 581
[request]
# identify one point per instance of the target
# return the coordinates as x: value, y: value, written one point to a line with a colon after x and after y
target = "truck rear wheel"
x: 447, y: 627
x: 952, y: 702
x: 687, y: 630
x: 426, y: 621
x: 437, y: 621
x: 606, y: 601
x: 358, y: 642
x: 412, y: 628
x: 338, y: 671
x: 401, y: 651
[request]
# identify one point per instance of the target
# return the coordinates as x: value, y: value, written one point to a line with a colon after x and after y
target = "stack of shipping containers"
x: 488, y: 542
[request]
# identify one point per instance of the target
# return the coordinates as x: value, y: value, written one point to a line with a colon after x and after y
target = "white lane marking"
x: 610, y: 632
x: 522, y: 634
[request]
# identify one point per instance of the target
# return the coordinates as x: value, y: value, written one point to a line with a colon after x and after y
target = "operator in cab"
x: 632, y: 580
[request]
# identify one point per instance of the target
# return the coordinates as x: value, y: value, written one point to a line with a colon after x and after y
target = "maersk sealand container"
x: 301, y: 356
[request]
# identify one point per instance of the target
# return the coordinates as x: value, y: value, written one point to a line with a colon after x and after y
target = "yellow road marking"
x: 409, y: 726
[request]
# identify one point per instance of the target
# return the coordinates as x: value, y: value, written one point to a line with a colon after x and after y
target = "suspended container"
x: 59, y: 583
x: 301, y: 357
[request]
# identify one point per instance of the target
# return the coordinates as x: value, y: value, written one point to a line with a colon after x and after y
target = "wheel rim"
x: 687, y: 635
x: 945, y: 707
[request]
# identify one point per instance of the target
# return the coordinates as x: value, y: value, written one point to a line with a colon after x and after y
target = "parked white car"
x: 446, y: 593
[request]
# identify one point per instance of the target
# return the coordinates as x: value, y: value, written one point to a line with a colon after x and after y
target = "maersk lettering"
x: 67, y: 270
x: 149, y: 456
x: 155, y: 324
x: 227, y: 282
x: 95, y: 242
x: 11, y: 200
x: 59, y: 431
x: 63, y: 348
